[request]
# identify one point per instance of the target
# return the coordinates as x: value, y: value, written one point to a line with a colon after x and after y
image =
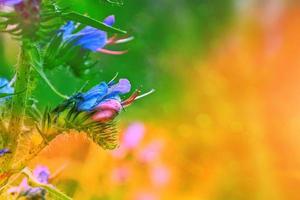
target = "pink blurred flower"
x: 130, y: 140
x: 145, y: 196
x: 160, y: 175
x: 120, y: 174
x: 119, y: 153
x: 151, y: 151
x: 133, y: 135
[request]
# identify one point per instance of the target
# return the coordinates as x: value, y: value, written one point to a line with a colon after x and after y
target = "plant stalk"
x: 22, y: 88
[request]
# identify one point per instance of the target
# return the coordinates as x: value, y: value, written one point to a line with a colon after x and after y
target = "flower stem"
x: 22, y: 88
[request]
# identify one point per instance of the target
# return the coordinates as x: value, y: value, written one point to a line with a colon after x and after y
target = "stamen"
x: 114, y: 78
x: 111, y: 40
x: 123, y: 40
x: 135, y: 96
x: 129, y: 101
x: 106, y: 51
x: 145, y: 94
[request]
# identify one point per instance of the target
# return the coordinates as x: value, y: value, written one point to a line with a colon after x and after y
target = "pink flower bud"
x: 107, y: 110
x: 111, y: 104
x: 104, y: 116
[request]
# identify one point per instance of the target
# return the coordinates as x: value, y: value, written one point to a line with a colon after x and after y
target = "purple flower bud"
x: 107, y: 110
x: 110, y: 20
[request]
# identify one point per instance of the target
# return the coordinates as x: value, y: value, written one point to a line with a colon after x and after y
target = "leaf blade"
x: 74, y: 16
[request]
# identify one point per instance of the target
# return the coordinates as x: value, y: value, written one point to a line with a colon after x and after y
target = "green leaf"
x: 74, y: 16
x: 2, y: 95
x: 44, y: 77
x: 37, y: 66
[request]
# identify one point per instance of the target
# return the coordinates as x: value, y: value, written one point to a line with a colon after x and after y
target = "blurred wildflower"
x: 90, y: 38
x: 160, y: 175
x: 150, y: 152
x: 5, y: 89
x: 25, y: 190
x: 120, y: 174
x: 9, y: 2
x: 145, y: 196
x: 130, y: 139
x: 42, y: 174
x: 4, y: 151
x: 133, y: 135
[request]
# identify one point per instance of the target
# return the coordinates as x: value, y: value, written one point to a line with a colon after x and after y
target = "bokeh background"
x: 224, y: 122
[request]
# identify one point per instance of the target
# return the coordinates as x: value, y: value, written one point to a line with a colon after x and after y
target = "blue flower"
x: 4, y: 151
x: 90, y: 38
x: 101, y: 93
x: 104, y: 101
x: 5, y: 89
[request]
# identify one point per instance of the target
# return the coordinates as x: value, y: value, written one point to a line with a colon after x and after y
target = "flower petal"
x: 67, y: 29
x: 110, y: 20
x: 110, y: 104
x: 122, y: 87
x: 90, y: 38
x: 97, y: 91
x: 104, y: 116
x: 91, y: 98
x: 42, y: 174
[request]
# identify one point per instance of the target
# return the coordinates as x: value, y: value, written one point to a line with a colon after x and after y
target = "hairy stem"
x: 23, y: 88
